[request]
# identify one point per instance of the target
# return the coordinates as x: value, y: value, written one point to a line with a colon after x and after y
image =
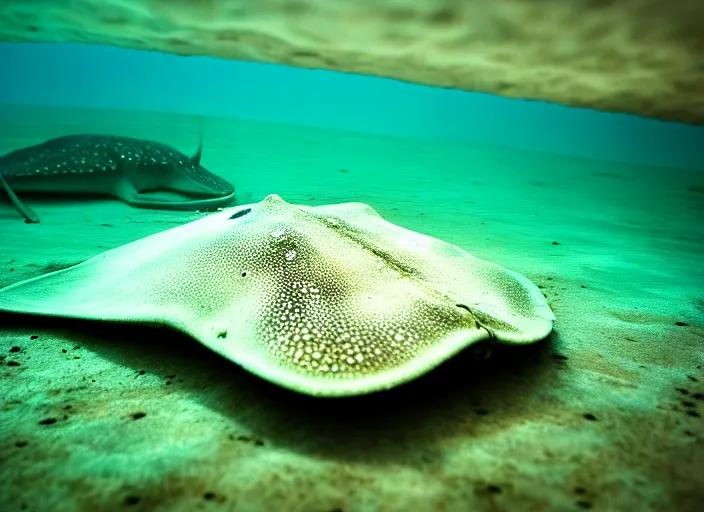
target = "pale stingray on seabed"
x: 109, y: 165
x: 324, y: 300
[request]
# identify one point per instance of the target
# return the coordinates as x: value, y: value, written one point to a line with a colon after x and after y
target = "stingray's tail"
x: 195, y: 159
x: 26, y: 211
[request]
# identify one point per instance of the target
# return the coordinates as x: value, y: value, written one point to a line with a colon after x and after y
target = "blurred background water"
x: 101, y: 77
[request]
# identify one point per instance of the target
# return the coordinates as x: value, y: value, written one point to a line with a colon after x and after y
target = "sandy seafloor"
x: 606, y: 414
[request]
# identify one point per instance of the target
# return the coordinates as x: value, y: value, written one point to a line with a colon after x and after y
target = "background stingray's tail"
x: 26, y: 211
x: 196, y: 156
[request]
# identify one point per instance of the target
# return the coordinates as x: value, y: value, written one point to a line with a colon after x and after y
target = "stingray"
x: 323, y: 300
x: 108, y: 165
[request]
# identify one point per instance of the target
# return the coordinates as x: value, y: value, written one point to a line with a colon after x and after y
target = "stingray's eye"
x: 240, y: 213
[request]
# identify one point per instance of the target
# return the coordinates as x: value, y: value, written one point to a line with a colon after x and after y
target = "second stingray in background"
x: 108, y: 165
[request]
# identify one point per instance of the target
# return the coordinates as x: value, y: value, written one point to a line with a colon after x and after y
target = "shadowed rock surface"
x: 641, y: 57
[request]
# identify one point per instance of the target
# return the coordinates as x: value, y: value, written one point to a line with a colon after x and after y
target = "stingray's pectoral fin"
x: 126, y: 191
x: 26, y: 211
